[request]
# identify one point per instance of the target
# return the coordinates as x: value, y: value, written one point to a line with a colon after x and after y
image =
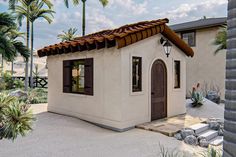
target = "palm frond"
x: 104, y: 2
x: 221, y: 40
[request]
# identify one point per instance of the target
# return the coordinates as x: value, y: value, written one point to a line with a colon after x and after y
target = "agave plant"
x: 197, y: 96
x: 15, y: 117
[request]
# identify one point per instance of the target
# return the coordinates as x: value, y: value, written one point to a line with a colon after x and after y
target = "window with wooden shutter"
x: 78, y: 76
x: 89, y: 76
x: 67, y: 77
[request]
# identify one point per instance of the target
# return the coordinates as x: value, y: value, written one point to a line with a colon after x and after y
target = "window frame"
x: 139, y: 88
x: 70, y: 78
x: 179, y: 72
x: 194, y: 38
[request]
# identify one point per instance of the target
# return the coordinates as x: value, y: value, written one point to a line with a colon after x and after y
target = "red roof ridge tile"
x: 120, y: 37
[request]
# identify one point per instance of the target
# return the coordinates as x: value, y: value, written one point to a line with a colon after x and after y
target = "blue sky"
x: 121, y: 12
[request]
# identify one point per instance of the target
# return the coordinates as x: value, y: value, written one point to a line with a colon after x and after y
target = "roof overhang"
x: 121, y: 37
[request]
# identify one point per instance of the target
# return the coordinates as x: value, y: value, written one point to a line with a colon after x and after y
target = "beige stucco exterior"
x: 206, y: 67
x: 113, y: 104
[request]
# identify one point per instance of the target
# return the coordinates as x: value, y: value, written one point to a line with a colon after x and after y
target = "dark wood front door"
x: 158, y: 90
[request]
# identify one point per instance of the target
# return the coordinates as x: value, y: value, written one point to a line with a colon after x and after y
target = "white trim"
x: 173, y: 75
x: 131, y: 76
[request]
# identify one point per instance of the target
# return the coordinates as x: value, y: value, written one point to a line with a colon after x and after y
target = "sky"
x: 118, y: 13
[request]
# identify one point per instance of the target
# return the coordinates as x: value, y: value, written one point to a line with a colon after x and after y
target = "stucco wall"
x: 113, y: 103
x: 137, y: 106
x: 206, y: 67
x: 104, y: 107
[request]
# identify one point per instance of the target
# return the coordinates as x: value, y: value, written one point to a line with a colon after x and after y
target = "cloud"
x: 193, y: 10
x: 131, y: 6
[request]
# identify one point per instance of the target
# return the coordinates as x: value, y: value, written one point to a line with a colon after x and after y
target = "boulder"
x: 215, y: 124
x: 221, y: 132
x: 203, y: 143
x: 213, y: 96
x: 191, y: 140
x: 19, y: 93
x: 186, y: 132
x: 178, y: 136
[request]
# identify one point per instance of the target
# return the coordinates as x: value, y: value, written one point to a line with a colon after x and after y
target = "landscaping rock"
x: 213, y: 96
x: 221, y: 132
x: 215, y: 124
x: 186, y: 132
x: 178, y: 136
x: 203, y: 143
x: 18, y: 93
x: 191, y: 140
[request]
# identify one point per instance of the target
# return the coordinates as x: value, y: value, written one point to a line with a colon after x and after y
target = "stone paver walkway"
x: 170, y: 126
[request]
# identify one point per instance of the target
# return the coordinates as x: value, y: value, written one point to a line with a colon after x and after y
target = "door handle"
x: 152, y: 93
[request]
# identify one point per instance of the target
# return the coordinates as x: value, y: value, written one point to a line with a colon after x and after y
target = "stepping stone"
x: 209, y: 134
x: 217, y: 141
x: 199, y: 128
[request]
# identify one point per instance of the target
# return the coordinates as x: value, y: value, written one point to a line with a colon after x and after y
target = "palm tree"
x: 9, y: 44
x: 230, y: 96
x: 221, y: 39
x: 37, y: 12
x: 20, y: 16
x: 76, y: 2
x: 68, y: 36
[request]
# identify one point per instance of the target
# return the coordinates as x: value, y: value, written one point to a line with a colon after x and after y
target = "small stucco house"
x: 206, y: 67
x: 119, y: 78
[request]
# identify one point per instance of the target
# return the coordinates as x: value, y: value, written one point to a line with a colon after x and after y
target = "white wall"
x: 104, y: 107
x: 137, y: 106
x: 113, y: 103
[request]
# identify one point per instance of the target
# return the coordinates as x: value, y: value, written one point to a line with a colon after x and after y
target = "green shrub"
x: 18, y: 84
x: 37, y: 96
x: 15, y: 117
x: 196, y: 96
x: 7, y: 82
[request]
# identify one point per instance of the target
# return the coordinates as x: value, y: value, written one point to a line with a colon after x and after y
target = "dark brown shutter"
x: 67, y: 76
x: 89, y: 76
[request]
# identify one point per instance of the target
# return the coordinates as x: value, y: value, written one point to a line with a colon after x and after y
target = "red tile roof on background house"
x: 120, y: 37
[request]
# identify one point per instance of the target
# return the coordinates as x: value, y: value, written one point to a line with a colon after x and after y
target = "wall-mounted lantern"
x: 167, y: 46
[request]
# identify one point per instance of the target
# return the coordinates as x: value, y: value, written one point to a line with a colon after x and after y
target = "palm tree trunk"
x: 230, y: 94
x: 2, y: 65
x: 12, y: 68
x: 83, y: 18
x: 32, y: 56
x: 26, y: 61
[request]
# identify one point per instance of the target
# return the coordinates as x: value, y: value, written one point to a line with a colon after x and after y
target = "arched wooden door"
x: 158, y: 90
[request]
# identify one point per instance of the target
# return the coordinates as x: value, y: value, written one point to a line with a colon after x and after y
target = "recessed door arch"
x: 158, y: 90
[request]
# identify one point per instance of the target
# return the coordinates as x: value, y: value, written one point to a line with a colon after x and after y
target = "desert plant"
x: 196, y: 96
x: 212, y: 152
x: 167, y: 153
x: 15, y: 117
x: 36, y: 96
x: 18, y: 84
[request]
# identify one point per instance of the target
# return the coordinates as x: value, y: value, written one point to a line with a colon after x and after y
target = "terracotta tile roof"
x: 120, y: 37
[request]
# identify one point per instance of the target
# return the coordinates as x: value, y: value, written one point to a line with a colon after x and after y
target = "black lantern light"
x: 167, y: 46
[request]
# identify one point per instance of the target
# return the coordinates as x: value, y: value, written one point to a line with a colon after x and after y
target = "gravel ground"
x: 61, y: 136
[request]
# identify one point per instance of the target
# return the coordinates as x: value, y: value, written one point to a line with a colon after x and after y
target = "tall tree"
x: 221, y: 40
x: 69, y: 35
x: 37, y: 12
x: 76, y: 2
x: 230, y: 94
x: 19, y: 4
x: 9, y: 43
